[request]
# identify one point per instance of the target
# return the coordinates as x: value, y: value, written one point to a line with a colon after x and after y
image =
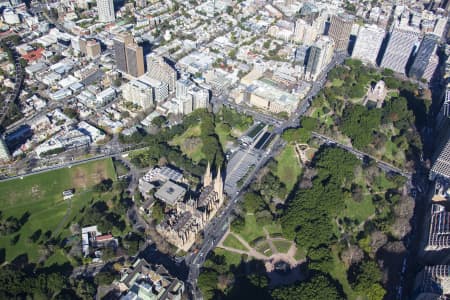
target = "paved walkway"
x: 270, y: 261
x: 251, y: 251
x: 270, y: 241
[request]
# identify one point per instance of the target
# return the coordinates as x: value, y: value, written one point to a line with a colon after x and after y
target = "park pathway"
x: 269, y: 241
x: 64, y: 219
x: 251, y: 251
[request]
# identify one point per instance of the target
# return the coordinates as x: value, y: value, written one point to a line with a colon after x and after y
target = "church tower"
x: 218, y: 185
x: 207, y: 178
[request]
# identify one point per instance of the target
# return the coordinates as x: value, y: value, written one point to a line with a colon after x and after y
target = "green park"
x: 33, y: 210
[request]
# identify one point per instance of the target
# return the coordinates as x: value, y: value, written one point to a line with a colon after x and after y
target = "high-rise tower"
x: 158, y: 69
x: 400, y: 45
x: 425, y: 58
x: 320, y: 54
x: 106, y: 11
x: 120, y: 42
x: 135, y: 60
x: 129, y: 56
x: 340, y: 29
x: 368, y: 43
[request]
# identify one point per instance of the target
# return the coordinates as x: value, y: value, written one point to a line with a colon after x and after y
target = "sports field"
x: 38, y: 201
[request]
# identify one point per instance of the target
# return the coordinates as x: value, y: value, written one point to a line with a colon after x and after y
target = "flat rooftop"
x: 170, y: 193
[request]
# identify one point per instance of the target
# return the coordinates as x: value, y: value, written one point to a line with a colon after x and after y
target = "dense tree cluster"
x: 248, y: 278
x: 303, y: 133
x: 254, y: 203
x: 355, y: 78
x: 395, y: 125
x: 318, y: 286
x: 103, y: 186
x: 212, y: 149
x: 269, y: 187
x: 132, y: 242
x: 158, y: 147
x: 360, y: 123
x: 365, y: 278
x: 100, y: 215
x: 16, y: 283
x: 9, y: 225
x: 307, y: 218
x: 234, y: 119
x: 207, y: 282
x: 158, y: 211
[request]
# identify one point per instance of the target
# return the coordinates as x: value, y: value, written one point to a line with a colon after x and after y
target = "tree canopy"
x: 318, y: 287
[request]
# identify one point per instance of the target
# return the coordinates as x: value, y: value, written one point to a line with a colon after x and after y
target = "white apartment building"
x: 160, y: 70
x: 306, y: 33
x: 4, y: 152
x: 185, y: 104
x: 368, y: 43
x: 105, y: 96
x: 200, y: 97
x: 160, y: 89
x: 190, y: 97
x: 182, y: 87
x: 439, y: 27
x: 138, y: 93
x: 106, y: 11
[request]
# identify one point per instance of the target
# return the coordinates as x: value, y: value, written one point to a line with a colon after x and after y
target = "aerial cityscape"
x: 219, y: 149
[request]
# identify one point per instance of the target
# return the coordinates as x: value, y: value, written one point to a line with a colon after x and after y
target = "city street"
x: 19, y: 77
x: 214, y: 231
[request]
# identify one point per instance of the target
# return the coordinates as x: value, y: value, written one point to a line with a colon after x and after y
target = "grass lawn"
x: 58, y: 258
x: 252, y: 230
x: 264, y: 248
x: 190, y: 143
x: 288, y: 168
x: 223, y: 131
x: 274, y: 229
x: 358, y: 210
x: 328, y: 120
x: 40, y: 197
x: 382, y: 183
x: 194, y: 131
x: 317, y: 113
x: 120, y: 168
x: 230, y: 257
x: 232, y: 242
x: 282, y: 246
x: 337, y: 82
x: 393, y: 154
x: 300, y: 254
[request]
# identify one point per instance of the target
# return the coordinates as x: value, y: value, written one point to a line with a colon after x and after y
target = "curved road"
x: 19, y: 77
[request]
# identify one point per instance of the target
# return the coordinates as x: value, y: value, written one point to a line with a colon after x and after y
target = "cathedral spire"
x: 207, y: 178
x: 218, y: 185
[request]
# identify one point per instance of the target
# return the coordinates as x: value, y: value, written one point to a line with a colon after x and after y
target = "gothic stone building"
x: 181, y: 226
